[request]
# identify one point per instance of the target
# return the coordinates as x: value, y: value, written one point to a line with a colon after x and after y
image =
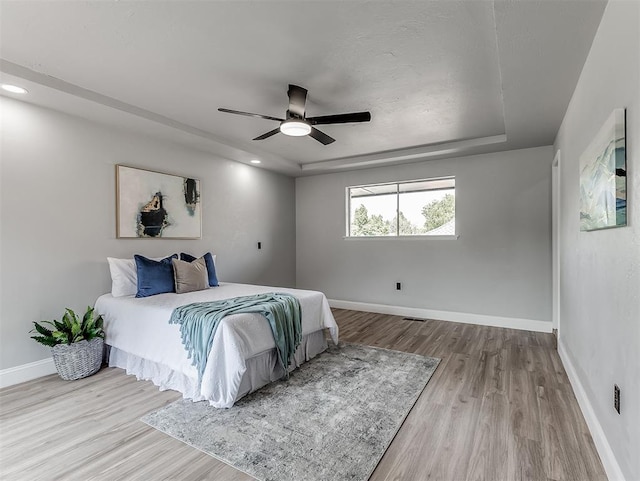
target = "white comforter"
x: 141, y: 327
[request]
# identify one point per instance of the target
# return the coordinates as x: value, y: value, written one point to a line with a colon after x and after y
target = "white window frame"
x: 348, y: 235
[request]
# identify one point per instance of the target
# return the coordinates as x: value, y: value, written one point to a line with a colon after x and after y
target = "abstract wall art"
x: 603, y: 177
x: 151, y: 204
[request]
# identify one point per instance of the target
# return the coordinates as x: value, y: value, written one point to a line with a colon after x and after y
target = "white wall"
x: 600, y: 271
x: 58, y: 217
x: 500, y: 265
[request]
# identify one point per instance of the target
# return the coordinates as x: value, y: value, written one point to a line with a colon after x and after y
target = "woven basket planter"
x: 78, y: 360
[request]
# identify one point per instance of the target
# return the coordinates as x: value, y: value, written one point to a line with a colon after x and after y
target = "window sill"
x: 402, y: 237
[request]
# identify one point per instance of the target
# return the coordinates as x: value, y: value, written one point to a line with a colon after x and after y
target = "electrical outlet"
x: 616, y: 398
x: 398, y: 286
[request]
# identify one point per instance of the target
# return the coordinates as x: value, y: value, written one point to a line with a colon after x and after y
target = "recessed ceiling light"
x: 255, y: 161
x: 14, y: 89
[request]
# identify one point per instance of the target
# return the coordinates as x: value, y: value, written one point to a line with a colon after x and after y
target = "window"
x: 416, y: 208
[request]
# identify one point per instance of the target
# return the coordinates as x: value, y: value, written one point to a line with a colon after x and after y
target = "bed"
x: 243, y: 357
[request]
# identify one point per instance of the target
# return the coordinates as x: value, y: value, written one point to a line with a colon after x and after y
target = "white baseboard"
x: 611, y: 466
x: 464, y: 317
x: 26, y: 372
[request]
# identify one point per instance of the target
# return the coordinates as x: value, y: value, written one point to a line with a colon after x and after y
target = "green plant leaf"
x: 42, y: 330
x: 48, y: 322
x: 94, y: 333
x: 73, y: 315
x: 76, y: 329
x: 67, y: 320
x: 87, y: 319
x: 64, y: 337
x: 90, y: 325
x: 47, y: 341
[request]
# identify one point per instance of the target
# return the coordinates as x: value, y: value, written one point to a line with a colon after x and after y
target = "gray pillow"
x: 190, y: 276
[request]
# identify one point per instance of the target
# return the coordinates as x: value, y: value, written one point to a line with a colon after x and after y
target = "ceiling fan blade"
x: 249, y: 114
x: 340, y: 118
x: 297, y: 100
x: 321, y: 136
x: 268, y: 134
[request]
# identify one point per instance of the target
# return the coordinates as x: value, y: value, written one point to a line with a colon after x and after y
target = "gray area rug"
x: 332, y: 420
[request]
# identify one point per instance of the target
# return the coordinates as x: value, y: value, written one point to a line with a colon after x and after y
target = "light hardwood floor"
x: 498, y: 408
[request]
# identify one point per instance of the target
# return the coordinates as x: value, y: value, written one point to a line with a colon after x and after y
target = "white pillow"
x: 124, y: 276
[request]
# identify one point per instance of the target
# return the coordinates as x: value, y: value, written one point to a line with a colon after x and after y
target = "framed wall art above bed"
x: 152, y: 204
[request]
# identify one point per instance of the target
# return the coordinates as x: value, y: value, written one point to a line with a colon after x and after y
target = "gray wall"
x: 58, y: 217
x: 600, y: 271
x: 500, y: 265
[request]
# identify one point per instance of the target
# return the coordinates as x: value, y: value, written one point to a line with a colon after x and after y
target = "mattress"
x: 142, y: 340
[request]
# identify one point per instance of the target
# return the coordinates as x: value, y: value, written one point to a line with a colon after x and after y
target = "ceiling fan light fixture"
x: 295, y: 128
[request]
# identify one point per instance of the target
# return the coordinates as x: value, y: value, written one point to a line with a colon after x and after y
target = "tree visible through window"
x: 438, y: 212
x: 421, y: 207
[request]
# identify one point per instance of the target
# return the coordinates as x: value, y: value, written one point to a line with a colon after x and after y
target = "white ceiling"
x: 439, y: 77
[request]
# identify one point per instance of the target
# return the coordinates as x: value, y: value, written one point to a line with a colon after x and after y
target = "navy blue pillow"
x: 211, y: 267
x: 154, y: 277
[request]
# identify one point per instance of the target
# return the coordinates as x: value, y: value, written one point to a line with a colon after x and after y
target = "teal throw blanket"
x: 199, y: 322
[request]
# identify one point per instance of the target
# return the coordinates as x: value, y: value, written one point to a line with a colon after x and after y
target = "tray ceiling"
x: 470, y: 75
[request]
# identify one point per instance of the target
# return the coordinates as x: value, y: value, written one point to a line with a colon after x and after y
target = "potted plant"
x: 76, y: 345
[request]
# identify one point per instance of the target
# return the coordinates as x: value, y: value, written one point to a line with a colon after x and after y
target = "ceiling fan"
x: 297, y: 124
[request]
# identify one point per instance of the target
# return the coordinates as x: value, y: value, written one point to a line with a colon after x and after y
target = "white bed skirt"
x: 260, y: 370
